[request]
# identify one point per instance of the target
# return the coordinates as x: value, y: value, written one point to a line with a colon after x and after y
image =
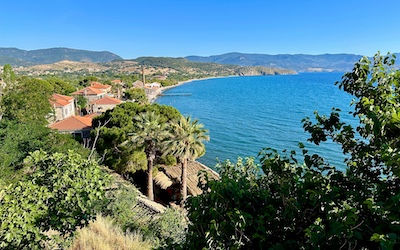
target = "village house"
x: 104, y: 87
x: 154, y: 85
x: 104, y: 104
x: 63, y: 106
x: 90, y: 93
x: 78, y: 126
x: 118, y: 82
x: 138, y: 84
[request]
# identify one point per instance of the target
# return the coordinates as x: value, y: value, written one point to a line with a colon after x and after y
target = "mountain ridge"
x: 19, y: 57
x: 300, y: 62
x: 327, y: 62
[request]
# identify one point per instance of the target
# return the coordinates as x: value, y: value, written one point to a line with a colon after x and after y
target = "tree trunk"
x: 184, y: 181
x: 150, y: 192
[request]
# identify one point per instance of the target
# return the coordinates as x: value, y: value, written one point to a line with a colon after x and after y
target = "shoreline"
x: 159, y: 91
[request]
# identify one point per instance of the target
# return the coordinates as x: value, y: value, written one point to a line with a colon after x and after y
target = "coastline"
x: 159, y: 91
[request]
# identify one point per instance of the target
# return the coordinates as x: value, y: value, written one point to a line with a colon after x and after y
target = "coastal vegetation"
x: 50, y: 186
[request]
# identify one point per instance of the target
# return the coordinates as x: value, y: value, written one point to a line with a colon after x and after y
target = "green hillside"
x: 18, y: 57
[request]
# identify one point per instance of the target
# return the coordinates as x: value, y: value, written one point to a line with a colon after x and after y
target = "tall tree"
x: 149, y: 134
x: 28, y: 101
x: 186, y: 144
x: 8, y: 75
x: 7, y: 80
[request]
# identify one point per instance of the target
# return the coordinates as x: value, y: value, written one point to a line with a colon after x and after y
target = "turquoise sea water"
x: 246, y: 114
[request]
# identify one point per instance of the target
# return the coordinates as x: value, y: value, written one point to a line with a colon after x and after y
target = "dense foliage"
x: 24, y: 108
x: 163, y: 230
x: 27, y: 101
x: 137, y: 95
x: 61, y: 193
x: 285, y: 204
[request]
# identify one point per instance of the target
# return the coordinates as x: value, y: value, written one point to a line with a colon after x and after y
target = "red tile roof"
x: 88, y: 91
x: 92, y: 115
x: 116, y: 81
x: 73, y: 123
x: 106, y: 100
x: 98, y: 85
x: 58, y: 100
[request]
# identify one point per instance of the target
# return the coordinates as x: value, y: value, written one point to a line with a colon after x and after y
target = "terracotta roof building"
x: 64, y: 106
x: 117, y: 81
x: 104, y: 87
x: 78, y: 126
x: 90, y: 93
x: 103, y: 104
x: 154, y: 85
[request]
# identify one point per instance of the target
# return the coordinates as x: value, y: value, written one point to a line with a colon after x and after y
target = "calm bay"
x: 246, y: 114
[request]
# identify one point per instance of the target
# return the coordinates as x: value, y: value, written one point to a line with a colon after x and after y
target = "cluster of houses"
x: 67, y: 118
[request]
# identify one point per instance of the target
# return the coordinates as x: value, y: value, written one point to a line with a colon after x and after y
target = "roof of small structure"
x: 116, y: 81
x: 106, y: 100
x: 162, y: 180
x: 92, y: 115
x: 138, y: 83
x: 98, y: 85
x: 88, y: 91
x: 174, y: 175
x: 58, y: 100
x: 73, y: 123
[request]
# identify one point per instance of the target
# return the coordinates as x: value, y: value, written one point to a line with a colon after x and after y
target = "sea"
x: 245, y: 114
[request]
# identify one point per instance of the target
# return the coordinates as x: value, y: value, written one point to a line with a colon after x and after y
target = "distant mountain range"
x: 298, y: 62
x: 18, y: 57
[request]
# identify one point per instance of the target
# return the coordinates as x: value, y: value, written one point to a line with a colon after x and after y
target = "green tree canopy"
x: 119, y: 122
x: 28, y: 101
x: 136, y: 94
x: 61, y: 86
x: 8, y: 75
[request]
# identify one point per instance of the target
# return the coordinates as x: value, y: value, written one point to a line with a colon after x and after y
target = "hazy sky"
x: 175, y: 28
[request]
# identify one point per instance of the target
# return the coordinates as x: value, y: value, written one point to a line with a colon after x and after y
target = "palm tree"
x: 149, y: 134
x: 186, y: 144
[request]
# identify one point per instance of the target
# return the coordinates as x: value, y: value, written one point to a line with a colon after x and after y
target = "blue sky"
x: 176, y: 28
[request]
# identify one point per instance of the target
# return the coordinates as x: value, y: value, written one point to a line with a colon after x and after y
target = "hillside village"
x: 69, y: 117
